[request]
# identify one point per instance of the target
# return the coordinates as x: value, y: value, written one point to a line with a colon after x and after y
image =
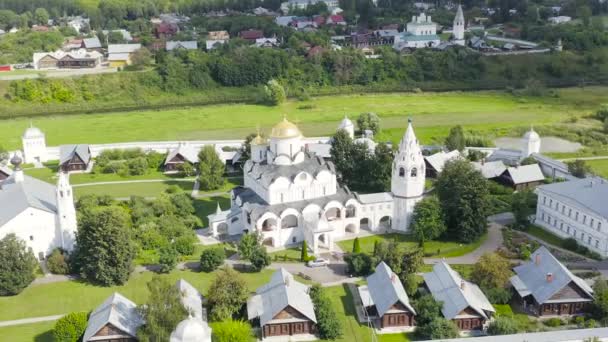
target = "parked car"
x: 320, y: 262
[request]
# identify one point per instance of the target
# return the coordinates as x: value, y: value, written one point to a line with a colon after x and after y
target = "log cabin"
x: 115, y: 320
x: 74, y: 157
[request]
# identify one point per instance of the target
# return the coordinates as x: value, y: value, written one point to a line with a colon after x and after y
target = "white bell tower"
x: 458, y: 27
x: 531, y: 143
x: 66, y: 212
x: 407, y: 181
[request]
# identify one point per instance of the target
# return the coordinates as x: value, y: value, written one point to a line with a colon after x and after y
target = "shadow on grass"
x: 46, y: 336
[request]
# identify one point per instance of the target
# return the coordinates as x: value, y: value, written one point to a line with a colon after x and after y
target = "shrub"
x: 499, y: 295
x: 17, y: 265
x: 259, y: 259
x: 359, y: 264
x: 70, y: 327
x: 57, y: 262
x: 502, y: 326
x: 212, y: 258
x: 438, y: 328
x: 570, y: 244
x: 232, y: 331
x: 328, y: 325
x: 304, y: 254
x: 184, y: 245
x: 553, y: 322
x: 167, y: 258
x: 356, y: 246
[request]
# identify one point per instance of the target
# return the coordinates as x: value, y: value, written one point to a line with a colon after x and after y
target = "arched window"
x: 414, y: 172
x: 401, y: 172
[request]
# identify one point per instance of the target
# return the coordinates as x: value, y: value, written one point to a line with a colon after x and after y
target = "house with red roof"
x: 251, y: 35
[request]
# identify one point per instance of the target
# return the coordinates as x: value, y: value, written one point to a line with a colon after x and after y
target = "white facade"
x: 347, y: 125
x: 421, y: 32
x: 290, y: 196
x: 34, y: 146
x: 421, y: 25
x: 531, y: 143
x: 458, y: 27
x: 576, y: 209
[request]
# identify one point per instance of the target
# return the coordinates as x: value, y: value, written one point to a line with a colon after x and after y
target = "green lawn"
x: 433, y: 113
x: 65, y: 297
x: 49, y: 174
x: 208, y: 205
x: 436, y: 249
x: 38, y: 332
x: 151, y: 189
x: 600, y: 166
x: 288, y: 255
x: 545, y: 235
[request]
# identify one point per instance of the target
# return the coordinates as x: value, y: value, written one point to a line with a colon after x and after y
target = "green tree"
x: 427, y: 223
x: 104, y: 251
x: 491, y: 271
x: 328, y: 325
x: 211, y: 169
x: 212, y: 258
x: 410, y: 284
x: 186, y: 169
x: 232, y: 331
x: 528, y: 161
x: 523, y: 204
x: 259, y: 259
x: 464, y: 197
x: 600, y: 300
x: 427, y: 309
x: 605, y: 126
x: 578, y: 168
x: 227, y: 294
x: 162, y: 311
x: 368, y: 121
x: 249, y: 244
x: 17, y: 265
x: 41, y: 16
x: 140, y: 59
x: 57, y: 262
x: 356, y: 245
x: 502, y: 325
x: 167, y: 258
x: 359, y: 264
x: 438, y: 328
x: 381, y: 169
x: 341, y: 155
x: 304, y: 254
x: 275, y: 93
x: 456, y: 139
x: 70, y: 327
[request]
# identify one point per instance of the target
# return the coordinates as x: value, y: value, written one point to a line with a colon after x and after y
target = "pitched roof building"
x: 115, y: 319
x: 463, y: 301
x: 74, y: 157
x: 523, y: 177
x: 435, y: 162
x: 182, y: 154
x: 546, y: 287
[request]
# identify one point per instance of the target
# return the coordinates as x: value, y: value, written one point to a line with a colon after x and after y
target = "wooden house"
x: 116, y: 319
x: 177, y: 157
x: 74, y: 157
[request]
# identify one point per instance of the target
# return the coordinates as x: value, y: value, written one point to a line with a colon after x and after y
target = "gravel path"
x: 30, y: 320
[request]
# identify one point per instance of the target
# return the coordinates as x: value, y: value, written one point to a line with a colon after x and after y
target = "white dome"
x: 531, y: 135
x: 33, y: 132
x: 191, y: 330
x: 345, y: 123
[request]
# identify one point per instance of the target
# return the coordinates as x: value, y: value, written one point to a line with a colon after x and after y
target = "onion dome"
x: 285, y: 130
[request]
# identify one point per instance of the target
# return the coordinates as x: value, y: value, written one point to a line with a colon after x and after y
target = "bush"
x: 356, y: 246
x: 438, y: 328
x: 232, y: 331
x: 184, y: 245
x: 259, y: 259
x: 499, y: 295
x: 57, y: 262
x: 502, y: 326
x: 167, y: 258
x: 570, y: 244
x: 359, y: 264
x: 212, y: 258
x: 17, y: 265
x: 70, y: 327
x: 553, y: 322
x: 328, y: 325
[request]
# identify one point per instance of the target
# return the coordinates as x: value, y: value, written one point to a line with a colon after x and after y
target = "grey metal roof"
x: 319, y: 149
x: 509, y: 157
x: 590, y: 193
x: 187, y: 151
x: 447, y: 286
x: 191, y: 299
x: 547, y: 336
x: 91, y: 43
x: 386, y: 289
x: 123, y: 48
x: 526, y: 173
x: 533, y: 275
x: 269, y: 172
x: 30, y: 193
x: 491, y: 169
x: 188, y: 45
x: 438, y: 160
x: 544, y: 160
x: 281, y: 292
x: 116, y: 310
x: 379, y: 197
x: 66, y: 152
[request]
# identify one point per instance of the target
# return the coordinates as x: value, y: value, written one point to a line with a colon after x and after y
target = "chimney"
x: 549, y: 277
x: 462, y: 284
x: 537, y: 260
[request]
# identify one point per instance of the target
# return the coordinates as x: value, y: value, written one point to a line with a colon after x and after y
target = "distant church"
x: 290, y: 195
x: 37, y: 212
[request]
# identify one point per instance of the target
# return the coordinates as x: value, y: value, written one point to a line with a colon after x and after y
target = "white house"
x: 559, y: 19
x: 576, y: 209
x: 290, y: 195
x: 421, y: 32
x: 33, y: 142
x: 39, y: 213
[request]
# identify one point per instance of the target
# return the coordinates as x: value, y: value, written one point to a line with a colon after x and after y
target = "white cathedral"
x: 290, y: 195
x: 37, y: 212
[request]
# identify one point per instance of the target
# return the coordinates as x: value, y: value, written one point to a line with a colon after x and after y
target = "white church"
x: 41, y: 214
x: 290, y: 195
x: 421, y: 32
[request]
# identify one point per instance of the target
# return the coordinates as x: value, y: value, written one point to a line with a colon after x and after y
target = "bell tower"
x: 66, y: 212
x: 458, y: 27
x: 407, y: 181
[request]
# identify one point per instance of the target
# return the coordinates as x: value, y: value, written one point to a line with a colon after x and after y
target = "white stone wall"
x: 569, y: 220
x: 34, y: 149
x: 38, y: 228
x: 404, y: 208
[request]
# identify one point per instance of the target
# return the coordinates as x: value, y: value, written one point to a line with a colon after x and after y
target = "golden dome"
x: 284, y: 130
x: 258, y: 140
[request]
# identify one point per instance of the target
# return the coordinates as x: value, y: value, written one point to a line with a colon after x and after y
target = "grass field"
x: 436, y: 249
x: 49, y: 174
x: 600, y: 166
x: 35, y: 332
x: 132, y: 189
x: 545, y: 235
x: 494, y: 113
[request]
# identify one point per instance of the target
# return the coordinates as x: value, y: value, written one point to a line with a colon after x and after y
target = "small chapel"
x: 290, y: 195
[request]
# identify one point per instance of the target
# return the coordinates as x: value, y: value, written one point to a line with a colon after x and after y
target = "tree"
x: 427, y: 309
x: 523, y: 204
x: 427, y: 223
x: 232, y: 331
x: 275, y: 93
x: 438, y: 328
x: 227, y: 294
x: 356, y: 246
x: 502, y: 325
x: 70, y: 327
x: 304, y: 254
x: 162, y: 312
x: 211, y: 169
x: 341, y: 155
x: 578, y: 168
x: 212, y: 258
x: 412, y: 260
x: 246, y: 147
x: 600, y: 300
x: 259, y: 259
x: 464, y: 197
x: 605, y: 128
x: 455, y: 139
x: 410, y: 283
x: 491, y: 271
x: 328, y: 325
x: 249, y: 244
x: 104, y: 251
x: 57, y: 262
x: 41, y: 16
x: 381, y: 169
x: 368, y: 121
x: 359, y: 264
x: 167, y: 258
x: 17, y: 265
x: 141, y: 58
x: 529, y: 160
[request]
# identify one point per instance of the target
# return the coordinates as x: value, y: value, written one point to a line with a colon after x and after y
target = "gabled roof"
x: 590, y: 193
x: 491, y: 169
x: 509, y: 157
x: 186, y: 151
x: 188, y: 45
x: 30, y: 193
x: 386, y: 289
x: 281, y: 292
x: 116, y: 310
x: 91, y: 43
x: 438, y: 160
x: 531, y: 277
x: 526, y: 174
x: 379, y: 197
x: 123, y: 48
x: 191, y: 299
x: 457, y: 294
x: 67, y: 152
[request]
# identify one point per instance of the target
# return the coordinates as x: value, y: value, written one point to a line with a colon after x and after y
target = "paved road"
x: 30, y: 320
